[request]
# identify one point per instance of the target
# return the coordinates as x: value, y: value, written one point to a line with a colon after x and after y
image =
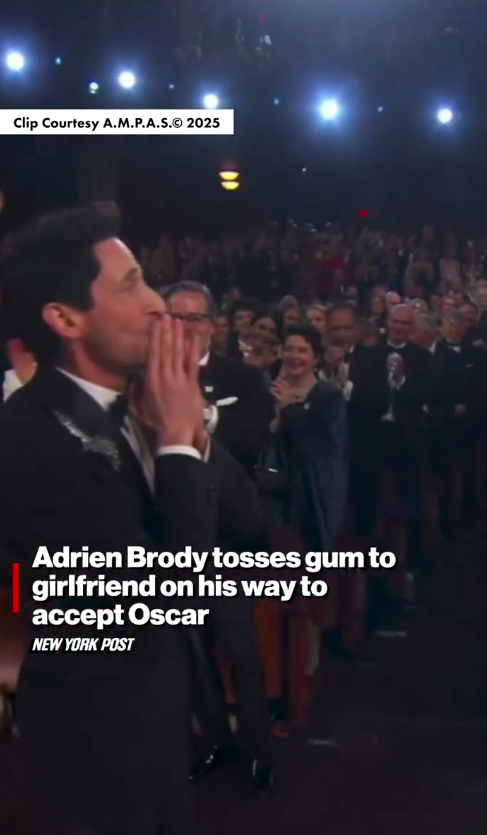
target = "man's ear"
x: 64, y: 321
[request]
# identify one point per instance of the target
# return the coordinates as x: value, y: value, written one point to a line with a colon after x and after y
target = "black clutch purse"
x: 271, y: 474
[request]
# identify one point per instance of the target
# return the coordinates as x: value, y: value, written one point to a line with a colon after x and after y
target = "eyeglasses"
x: 191, y: 318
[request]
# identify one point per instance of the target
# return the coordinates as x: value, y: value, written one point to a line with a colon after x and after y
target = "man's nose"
x: 155, y: 304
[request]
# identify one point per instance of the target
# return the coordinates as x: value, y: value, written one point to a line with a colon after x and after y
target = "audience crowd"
x: 346, y: 373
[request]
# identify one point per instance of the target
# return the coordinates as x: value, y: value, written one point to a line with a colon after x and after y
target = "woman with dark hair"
x: 310, y: 429
x: 266, y: 339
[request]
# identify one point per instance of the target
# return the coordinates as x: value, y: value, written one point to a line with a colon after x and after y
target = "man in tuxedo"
x: 458, y: 402
x: 238, y: 415
x: 239, y: 405
x: 362, y: 375
x: 104, y: 737
x: 403, y: 434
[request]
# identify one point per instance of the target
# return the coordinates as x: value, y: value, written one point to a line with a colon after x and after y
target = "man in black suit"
x: 238, y: 415
x: 403, y: 437
x: 457, y: 405
x: 361, y: 374
x: 239, y: 405
x: 104, y: 737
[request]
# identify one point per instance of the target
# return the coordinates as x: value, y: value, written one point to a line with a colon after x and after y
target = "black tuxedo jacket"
x: 409, y: 400
x: 243, y: 426
x: 54, y: 492
x: 414, y: 393
x: 458, y: 379
x: 368, y: 402
x: 132, y: 706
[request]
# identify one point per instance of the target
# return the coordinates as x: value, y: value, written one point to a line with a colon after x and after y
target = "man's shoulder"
x: 24, y: 424
x: 230, y: 369
x: 419, y: 352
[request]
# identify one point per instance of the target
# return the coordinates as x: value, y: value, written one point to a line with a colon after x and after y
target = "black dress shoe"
x: 217, y: 758
x: 262, y: 778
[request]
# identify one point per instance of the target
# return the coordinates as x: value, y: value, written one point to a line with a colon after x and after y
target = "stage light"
x: 380, y: 110
x: 126, y: 80
x: 330, y: 109
x: 363, y: 214
x: 277, y: 102
x: 15, y: 61
x: 211, y: 101
x: 229, y: 176
x: 58, y: 61
x: 445, y: 115
x: 93, y: 88
x: 172, y: 86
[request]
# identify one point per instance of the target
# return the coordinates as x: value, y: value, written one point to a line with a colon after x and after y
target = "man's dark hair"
x: 192, y: 287
x: 52, y: 260
x: 308, y: 333
x: 341, y: 308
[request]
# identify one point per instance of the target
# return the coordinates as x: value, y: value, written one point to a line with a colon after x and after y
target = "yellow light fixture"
x: 229, y: 176
x: 231, y: 185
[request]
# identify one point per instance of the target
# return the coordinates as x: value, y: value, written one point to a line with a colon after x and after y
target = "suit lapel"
x: 67, y: 402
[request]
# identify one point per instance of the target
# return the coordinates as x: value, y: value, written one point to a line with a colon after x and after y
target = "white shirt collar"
x: 204, y: 360
x: 397, y: 347
x: 104, y: 397
x: 11, y: 383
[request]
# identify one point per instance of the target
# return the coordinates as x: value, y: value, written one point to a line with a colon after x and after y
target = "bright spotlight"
x: 211, y: 101
x: 330, y: 109
x: 445, y: 115
x: 126, y: 80
x: 93, y: 88
x: 15, y: 61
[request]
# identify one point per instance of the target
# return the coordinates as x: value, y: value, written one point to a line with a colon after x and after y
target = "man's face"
x: 401, y: 322
x: 342, y: 330
x: 453, y: 330
x: 115, y: 333
x: 292, y: 316
x: 469, y: 316
x: 447, y: 305
x: 192, y: 310
x: 482, y: 298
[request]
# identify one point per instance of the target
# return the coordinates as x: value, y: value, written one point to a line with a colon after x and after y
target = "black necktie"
x: 118, y: 410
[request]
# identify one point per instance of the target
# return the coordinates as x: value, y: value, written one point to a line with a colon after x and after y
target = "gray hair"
x: 425, y: 323
x: 196, y: 288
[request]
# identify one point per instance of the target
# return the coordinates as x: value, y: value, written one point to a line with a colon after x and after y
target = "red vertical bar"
x: 16, y: 588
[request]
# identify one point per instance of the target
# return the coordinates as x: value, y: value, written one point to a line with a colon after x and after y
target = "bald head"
x: 401, y: 322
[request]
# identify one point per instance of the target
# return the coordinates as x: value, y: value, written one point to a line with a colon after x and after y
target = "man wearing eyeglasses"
x: 237, y: 414
x: 238, y: 403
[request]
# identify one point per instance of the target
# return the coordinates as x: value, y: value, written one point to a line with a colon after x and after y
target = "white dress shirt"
x: 132, y: 431
x: 11, y: 383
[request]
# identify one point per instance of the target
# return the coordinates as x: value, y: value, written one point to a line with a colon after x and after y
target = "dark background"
x: 410, y: 57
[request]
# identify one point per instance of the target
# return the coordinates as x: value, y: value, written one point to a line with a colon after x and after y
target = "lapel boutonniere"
x: 95, y: 444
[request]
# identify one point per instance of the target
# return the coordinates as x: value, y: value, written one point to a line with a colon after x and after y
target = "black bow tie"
x: 118, y: 410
